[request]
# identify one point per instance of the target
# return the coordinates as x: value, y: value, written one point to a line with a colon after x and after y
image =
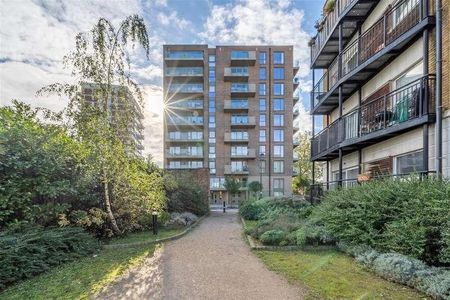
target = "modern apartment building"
x: 124, y: 112
x: 230, y: 109
x: 375, y: 74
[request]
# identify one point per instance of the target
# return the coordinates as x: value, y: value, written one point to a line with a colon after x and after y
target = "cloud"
x: 263, y: 22
x: 259, y: 22
x: 173, y: 19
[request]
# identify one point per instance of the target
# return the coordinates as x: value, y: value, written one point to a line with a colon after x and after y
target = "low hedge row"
x: 403, y: 269
x: 27, y: 254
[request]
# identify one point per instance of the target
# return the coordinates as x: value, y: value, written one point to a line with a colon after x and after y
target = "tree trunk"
x: 111, y: 217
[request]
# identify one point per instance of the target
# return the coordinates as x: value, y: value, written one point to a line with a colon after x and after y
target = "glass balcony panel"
x: 184, y: 71
x: 186, y: 88
x: 184, y: 54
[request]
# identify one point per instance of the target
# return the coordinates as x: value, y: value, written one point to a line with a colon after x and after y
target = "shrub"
x: 407, y: 216
x: 28, y: 254
x: 313, y: 234
x: 273, y: 237
x: 253, y: 209
x: 186, y: 195
x: 402, y: 269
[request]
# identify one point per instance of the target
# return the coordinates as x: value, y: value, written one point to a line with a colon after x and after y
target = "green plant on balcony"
x: 329, y: 7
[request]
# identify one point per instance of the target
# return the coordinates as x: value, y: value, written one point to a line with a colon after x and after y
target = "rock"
x: 182, y: 219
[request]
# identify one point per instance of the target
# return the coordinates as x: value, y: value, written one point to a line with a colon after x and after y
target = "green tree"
x: 255, y: 187
x: 301, y: 182
x: 102, y: 57
x: 232, y: 185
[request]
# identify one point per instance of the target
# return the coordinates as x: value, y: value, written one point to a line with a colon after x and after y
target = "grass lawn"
x: 147, y: 236
x: 333, y: 275
x: 79, y: 279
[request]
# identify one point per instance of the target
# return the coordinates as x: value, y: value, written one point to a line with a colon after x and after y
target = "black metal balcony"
x: 387, y: 116
x: 371, y: 51
x: 325, y: 45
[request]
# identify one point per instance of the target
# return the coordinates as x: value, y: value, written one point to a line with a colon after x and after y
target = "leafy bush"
x: 253, y: 209
x: 313, y: 234
x: 402, y: 269
x: 186, y: 194
x: 272, y: 237
x: 407, y: 216
x: 28, y: 254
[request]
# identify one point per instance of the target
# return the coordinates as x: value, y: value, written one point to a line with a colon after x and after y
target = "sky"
x: 36, y: 34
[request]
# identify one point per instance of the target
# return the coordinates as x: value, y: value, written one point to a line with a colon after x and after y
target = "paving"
x: 211, y: 262
x: 214, y: 262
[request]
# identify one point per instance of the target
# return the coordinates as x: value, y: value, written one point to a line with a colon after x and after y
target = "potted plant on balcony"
x: 311, y: 42
x: 319, y: 24
x: 329, y: 7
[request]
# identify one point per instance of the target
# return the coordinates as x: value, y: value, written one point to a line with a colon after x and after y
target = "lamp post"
x: 261, y: 159
x: 155, y: 222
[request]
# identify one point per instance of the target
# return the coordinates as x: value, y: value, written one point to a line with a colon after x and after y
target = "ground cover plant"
x: 333, y: 275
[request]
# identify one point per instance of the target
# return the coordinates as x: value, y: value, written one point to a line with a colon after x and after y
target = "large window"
x: 262, y: 89
x: 262, y: 120
x: 262, y: 150
x: 278, y: 104
x: 239, y: 135
x: 278, y: 120
x: 239, y: 150
x: 238, y: 166
x: 278, y: 89
x: 262, y: 135
x: 262, y: 58
x: 262, y: 74
x: 411, y: 75
x: 278, y: 73
x: 278, y: 58
x: 262, y: 104
x: 409, y: 163
x: 278, y: 187
x: 278, y: 166
x: 278, y: 135
x: 278, y: 150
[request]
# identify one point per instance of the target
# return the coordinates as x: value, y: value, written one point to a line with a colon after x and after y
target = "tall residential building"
x: 122, y: 107
x: 229, y: 109
x: 375, y: 74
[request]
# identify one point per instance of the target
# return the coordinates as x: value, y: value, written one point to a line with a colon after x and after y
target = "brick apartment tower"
x: 230, y: 109
x: 374, y: 83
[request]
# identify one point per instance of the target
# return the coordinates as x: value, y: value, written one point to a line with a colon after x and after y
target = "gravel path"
x: 213, y: 262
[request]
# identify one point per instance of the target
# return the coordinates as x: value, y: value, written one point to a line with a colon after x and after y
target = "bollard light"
x: 155, y: 222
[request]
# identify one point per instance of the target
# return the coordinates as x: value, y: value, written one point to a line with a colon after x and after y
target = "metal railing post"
x: 384, y: 112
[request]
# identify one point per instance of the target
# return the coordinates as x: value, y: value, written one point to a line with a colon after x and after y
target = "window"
x: 262, y: 166
x: 278, y: 135
x: 349, y: 177
x: 262, y: 135
x: 262, y: 150
x: 262, y: 120
x: 262, y: 89
x: 238, y: 166
x: 278, y: 187
x: 262, y: 58
x: 411, y: 75
x: 239, y: 103
x: 238, y: 54
x: 278, y: 120
x: 262, y: 104
x: 262, y: 74
x: 409, y: 163
x: 239, y: 119
x: 239, y: 135
x: 278, y: 58
x: 278, y: 150
x: 278, y: 104
x: 239, y: 150
x: 278, y: 73
x: 278, y: 166
x: 212, y: 149
x: 212, y: 58
x: 278, y: 89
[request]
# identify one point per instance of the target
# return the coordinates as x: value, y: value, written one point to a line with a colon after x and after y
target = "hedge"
x: 28, y: 254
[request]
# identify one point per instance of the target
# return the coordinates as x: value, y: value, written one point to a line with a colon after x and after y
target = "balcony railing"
x: 394, y: 23
x: 407, y: 103
x: 186, y: 88
x: 184, y: 55
x: 250, y: 153
x: 236, y: 71
x: 189, y: 104
x: 192, y: 121
x: 186, y: 153
x: 244, y: 121
x: 184, y: 71
x: 229, y: 169
x: 318, y: 190
x: 328, y: 26
x: 237, y: 137
x: 243, y: 88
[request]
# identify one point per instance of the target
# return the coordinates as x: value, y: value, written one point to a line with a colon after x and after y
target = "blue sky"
x: 36, y: 34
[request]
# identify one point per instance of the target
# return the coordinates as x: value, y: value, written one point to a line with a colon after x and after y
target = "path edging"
x: 255, y: 247
x: 170, y: 238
